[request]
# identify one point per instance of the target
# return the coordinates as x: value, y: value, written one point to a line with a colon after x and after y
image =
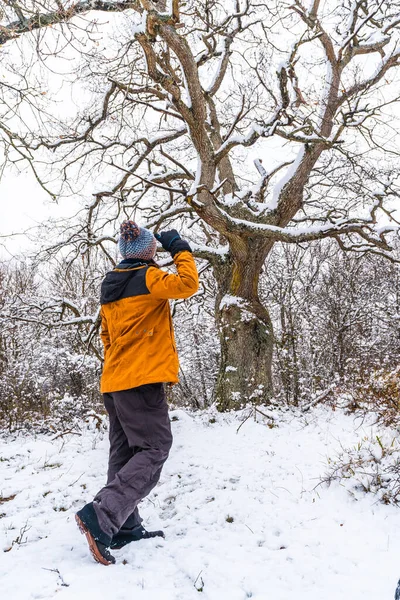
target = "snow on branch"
x: 31, y: 19
x: 366, y: 228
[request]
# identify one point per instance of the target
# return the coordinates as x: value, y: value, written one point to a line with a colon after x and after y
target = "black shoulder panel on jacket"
x: 123, y: 284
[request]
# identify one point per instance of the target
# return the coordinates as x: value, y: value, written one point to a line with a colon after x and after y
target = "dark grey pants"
x: 140, y: 440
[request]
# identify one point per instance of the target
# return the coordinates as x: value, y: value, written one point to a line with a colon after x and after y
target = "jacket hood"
x: 114, y: 284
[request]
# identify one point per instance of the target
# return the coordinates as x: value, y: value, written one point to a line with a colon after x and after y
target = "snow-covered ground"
x: 241, y: 516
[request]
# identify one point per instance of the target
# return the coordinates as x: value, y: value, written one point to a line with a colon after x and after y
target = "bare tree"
x: 189, y: 93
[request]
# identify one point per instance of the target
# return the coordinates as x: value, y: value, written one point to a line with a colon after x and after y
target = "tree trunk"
x: 245, y: 330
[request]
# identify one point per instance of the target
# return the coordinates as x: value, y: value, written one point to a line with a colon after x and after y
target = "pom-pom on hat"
x: 136, y: 242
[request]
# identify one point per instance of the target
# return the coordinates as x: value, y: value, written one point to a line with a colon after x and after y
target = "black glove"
x: 172, y: 242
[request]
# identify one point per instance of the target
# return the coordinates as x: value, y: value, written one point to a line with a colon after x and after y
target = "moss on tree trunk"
x: 245, y: 329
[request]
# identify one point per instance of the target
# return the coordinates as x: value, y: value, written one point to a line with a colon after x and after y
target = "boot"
x: 98, y: 541
x: 126, y: 536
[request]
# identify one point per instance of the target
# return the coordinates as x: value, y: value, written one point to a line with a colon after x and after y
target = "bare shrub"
x: 378, y: 393
x: 371, y: 467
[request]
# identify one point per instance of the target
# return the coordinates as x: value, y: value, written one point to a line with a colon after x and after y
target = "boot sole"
x: 91, y: 543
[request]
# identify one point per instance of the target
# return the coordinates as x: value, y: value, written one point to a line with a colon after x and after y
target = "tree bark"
x: 245, y: 329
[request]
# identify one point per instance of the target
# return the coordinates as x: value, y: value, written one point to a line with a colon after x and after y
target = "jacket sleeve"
x: 168, y: 286
x: 104, y: 334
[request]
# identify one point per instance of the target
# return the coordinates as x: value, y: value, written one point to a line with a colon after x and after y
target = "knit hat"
x: 136, y: 242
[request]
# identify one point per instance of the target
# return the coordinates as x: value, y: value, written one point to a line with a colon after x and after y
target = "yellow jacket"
x: 136, y: 323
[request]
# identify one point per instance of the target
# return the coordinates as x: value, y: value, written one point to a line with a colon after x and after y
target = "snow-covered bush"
x: 56, y: 388
x: 46, y: 375
x: 373, y: 466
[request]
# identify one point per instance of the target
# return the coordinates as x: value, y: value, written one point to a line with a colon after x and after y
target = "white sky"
x: 23, y: 205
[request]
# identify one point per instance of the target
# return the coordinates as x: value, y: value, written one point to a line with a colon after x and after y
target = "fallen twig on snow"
x: 318, y: 399
x: 59, y: 574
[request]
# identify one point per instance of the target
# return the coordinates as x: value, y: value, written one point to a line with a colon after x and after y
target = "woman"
x: 139, y: 358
